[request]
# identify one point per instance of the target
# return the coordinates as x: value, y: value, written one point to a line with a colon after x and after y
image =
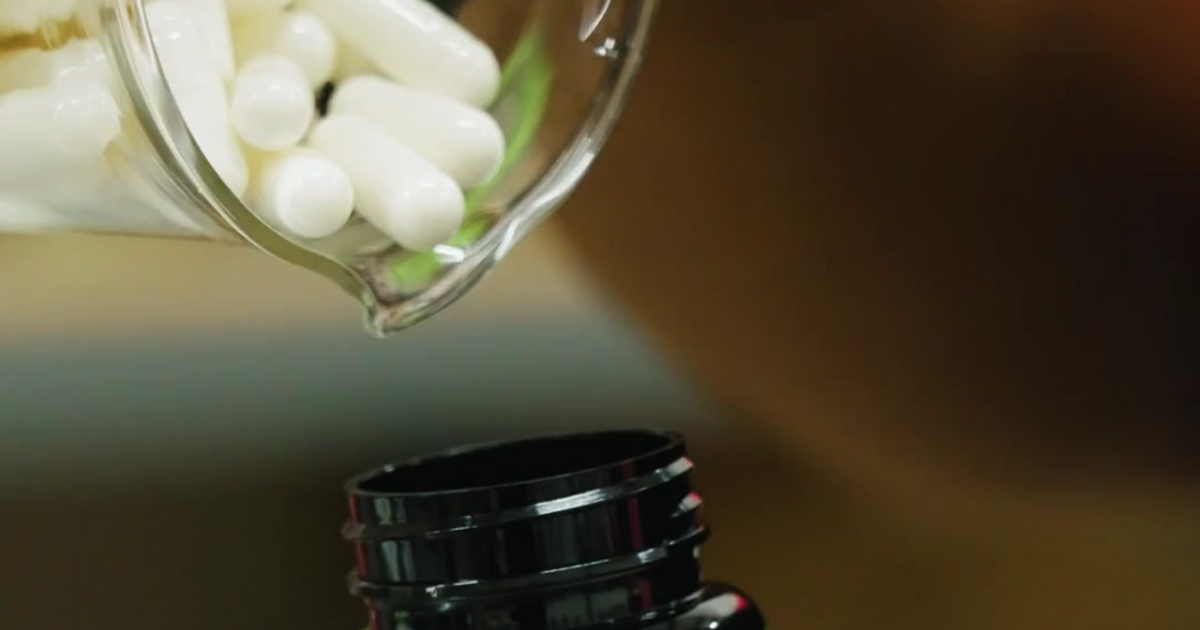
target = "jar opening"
x: 514, y: 462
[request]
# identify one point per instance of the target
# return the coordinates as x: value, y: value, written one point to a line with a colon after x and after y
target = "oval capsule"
x: 298, y: 35
x: 27, y: 16
x: 243, y: 7
x: 303, y: 193
x: 463, y: 141
x: 272, y: 104
x: 415, y: 43
x: 53, y: 127
x: 395, y: 189
x: 212, y: 17
x: 351, y: 63
x: 81, y: 59
x: 198, y: 89
x: 22, y: 216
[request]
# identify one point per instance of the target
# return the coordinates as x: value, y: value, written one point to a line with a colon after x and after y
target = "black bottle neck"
x: 545, y: 534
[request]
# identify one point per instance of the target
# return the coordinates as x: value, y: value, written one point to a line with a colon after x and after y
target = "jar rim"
x: 578, y: 455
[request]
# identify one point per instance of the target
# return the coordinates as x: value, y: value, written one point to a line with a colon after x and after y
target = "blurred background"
x: 176, y: 420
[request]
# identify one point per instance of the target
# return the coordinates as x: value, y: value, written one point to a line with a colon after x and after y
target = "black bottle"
x: 577, y: 531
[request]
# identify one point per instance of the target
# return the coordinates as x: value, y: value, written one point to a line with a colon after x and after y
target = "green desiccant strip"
x: 525, y: 85
x: 417, y: 268
x: 529, y: 76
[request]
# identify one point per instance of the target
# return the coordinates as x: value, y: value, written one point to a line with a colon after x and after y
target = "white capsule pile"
x: 404, y: 133
x: 56, y: 110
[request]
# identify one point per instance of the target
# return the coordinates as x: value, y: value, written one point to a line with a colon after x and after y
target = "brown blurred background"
x: 934, y: 202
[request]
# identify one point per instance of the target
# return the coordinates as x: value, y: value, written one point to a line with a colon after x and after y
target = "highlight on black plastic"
x: 548, y: 533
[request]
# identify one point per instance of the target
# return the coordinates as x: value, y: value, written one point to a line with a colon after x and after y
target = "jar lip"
x: 520, y: 464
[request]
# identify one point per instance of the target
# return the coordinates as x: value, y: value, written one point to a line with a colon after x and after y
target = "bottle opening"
x: 515, y: 535
x: 514, y: 462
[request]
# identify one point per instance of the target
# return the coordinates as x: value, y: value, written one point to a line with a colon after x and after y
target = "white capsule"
x: 198, y: 89
x: 81, y: 59
x: 213, y: 19
x: 242, y: 7
x: 350, y: 63
x: 463, y: 141
x: 297, y: 35
x: 415, y: 43
x: 54, y: 127
x: 303, y: 193
x: 21, y: 216
x: 27, y: 16
x: 400, y: 193
x: 272, y: 104
x: 92, y: 195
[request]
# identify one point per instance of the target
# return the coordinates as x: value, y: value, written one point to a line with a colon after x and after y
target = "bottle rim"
x: 605, y: 514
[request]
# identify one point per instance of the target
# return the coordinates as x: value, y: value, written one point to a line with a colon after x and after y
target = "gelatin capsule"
x: 198, y: 89
x: 303, y: 193
x: 54, y: 127
x: 395, y: 189
x: 463, y: 141
x: 298, y: 35
x: 272, y: 105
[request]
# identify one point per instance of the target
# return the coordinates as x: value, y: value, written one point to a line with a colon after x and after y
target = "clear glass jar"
x: 567, y: 68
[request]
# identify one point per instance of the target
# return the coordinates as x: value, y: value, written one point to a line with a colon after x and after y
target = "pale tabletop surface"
x: 70, y: 284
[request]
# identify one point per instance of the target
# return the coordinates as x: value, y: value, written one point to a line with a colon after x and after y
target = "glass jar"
x: 572, y: 532
x: 566, y: 70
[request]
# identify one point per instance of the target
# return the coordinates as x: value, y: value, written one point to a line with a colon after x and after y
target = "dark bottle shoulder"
x: 721, y: 607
